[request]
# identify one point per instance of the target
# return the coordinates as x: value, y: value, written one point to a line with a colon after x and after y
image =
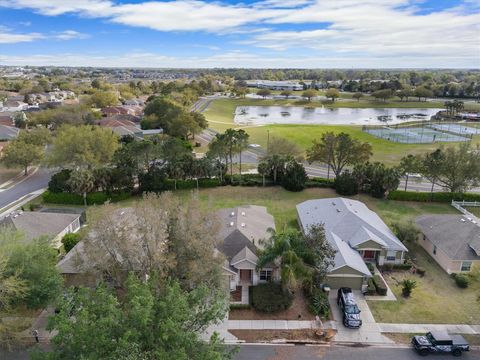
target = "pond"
x: 261, y: 115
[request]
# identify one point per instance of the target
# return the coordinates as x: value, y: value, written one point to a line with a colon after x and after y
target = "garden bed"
x: 252, y: 336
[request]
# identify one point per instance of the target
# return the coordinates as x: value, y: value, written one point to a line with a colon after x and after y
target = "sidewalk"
x: 271, y: 324
x: 424, y: 328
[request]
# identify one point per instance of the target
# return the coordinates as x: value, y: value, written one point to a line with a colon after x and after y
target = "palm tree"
x: 82, y: 182
x: 285, y: 248
x: 241, y: 142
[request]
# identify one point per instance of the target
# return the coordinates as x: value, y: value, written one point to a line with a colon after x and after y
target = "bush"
x: 435, y: 197
x: 380, y: 285
x: 96, y: 198
x: 370, y: 267
x: 371, y: 289
x: 59, y: 182
x: 346, y: 184
x: 407, y: 287
x: 69, y: 241
x: 406, y: 232
x: 462, y: 280
x: 318, y: 303
x: 34, y: 206
x: 270, y: 297
x: 406, y: 266
x: 320, y: 183
x: 191, y: 184
x: 239, y: 306
x: 295, y: 176
x: 420, y: 271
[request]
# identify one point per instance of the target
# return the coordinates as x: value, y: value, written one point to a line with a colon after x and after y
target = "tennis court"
x: 456, y: 128
x: 414, y: 135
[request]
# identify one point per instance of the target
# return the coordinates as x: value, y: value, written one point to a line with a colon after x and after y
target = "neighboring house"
x: 275, y: 85
x: 122, y: 127
x: 13, y: 106
x: 453, y: 241
x: 8, y: 132
x: 242, y: 230
x: 7, y: 120
x: 132, y: 118
x: 357, y: 234
x: 35, y: 224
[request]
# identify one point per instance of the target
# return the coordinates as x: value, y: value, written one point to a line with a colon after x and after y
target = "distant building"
x: 275, y: 85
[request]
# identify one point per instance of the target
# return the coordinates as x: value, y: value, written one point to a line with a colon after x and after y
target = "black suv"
x: 351, y: 312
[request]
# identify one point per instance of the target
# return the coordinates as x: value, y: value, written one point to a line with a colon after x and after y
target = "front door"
x: 245, y: 275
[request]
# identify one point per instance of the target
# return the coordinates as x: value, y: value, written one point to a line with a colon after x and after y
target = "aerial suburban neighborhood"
x: 226, y: 180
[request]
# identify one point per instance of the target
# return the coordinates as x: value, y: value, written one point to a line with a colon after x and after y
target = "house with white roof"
x: 357, y: 234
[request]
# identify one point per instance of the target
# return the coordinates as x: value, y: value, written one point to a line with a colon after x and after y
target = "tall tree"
x: 309, y: 94
x: 332, y: 94
x: 264, y: 93
x: 409, y: 164
x: 21, y: 154
x: 431, y: 167
x: 284, y: 147
x: 241, y: 144
x: 82, y: 181
x: 338, y: 151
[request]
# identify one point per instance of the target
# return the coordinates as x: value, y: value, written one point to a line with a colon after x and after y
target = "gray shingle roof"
x: 348, y: 223
x: 455, y: 237
x: 35, y: 224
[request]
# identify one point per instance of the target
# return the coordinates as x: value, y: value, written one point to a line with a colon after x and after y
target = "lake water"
x: 261, y: 115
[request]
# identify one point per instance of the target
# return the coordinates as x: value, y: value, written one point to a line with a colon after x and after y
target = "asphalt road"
x: 37, y: 181
x: 268, y: 352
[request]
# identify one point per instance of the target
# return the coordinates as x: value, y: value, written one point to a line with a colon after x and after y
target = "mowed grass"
x: 436, y: 300
x: 7, y: 174
x: 220, y: 115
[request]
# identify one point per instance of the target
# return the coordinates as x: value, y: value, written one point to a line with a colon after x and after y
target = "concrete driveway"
x: 368, y: 333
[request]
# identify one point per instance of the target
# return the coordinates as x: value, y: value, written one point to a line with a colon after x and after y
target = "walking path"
x: 423, y: 328
x: 271, y: 324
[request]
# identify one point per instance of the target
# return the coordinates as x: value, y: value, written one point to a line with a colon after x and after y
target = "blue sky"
x: 266, y: 33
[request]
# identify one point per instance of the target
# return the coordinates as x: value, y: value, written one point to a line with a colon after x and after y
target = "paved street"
x: 37, y: 181
x: 268, y: 352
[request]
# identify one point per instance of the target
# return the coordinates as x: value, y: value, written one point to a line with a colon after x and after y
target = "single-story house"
x: 8, y: 132
x: 357, y: 234
x: 453, y: 241
x: 34, y: 224
x: 242, y: 232
x: 122, y: 127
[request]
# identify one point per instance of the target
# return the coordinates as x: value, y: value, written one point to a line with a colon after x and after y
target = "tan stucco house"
x: 453, y: 241
x: 243, y: 229
x: 357, y: 234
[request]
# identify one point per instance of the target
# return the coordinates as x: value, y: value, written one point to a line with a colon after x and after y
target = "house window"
x: 466, y: 266
x: 391, y: 255
x: 265, y: 275
x: 434, y: 249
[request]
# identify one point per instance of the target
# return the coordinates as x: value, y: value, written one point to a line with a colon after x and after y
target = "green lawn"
x: 437, y: 299
x: 7, y: 174
x: 220, y: 117
x: 475, y: 210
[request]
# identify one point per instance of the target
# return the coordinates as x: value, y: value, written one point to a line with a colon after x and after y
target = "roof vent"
x: 243, y: 224
x: 338, y: 210
x: 333, y: 203
x: 462, y: 220
x: 232, y: 223
x: 232, y: 214
x: 243, y: 213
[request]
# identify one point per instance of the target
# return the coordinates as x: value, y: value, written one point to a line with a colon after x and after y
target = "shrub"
x: 96, y: 198
x: 318, y: 303
x: 59, y: 182
x: 270, y: 297
x: 380, y: 285
x: 435, y: 197
x: 406, y: 266
x: 371, y: 267
x: 346, y: 184
x: 295, y: 176
x: 320, y: 183
x: 406, y: 232
x: 69, y: 241
x: 407, y: 287
x: 420, y: 271
x: 387, y: 267
x: 239, y: 306
x: 371, y: 289
x: 462, y: 280
x: 34, y: 207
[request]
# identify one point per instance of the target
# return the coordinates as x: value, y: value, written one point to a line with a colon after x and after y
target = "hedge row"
x: 380, y: 285
x: 435, y: 197
x: 270, y: 298
x: 390, y: 267
x: 191, y: 184
x: 95, y: 198
x: 371, y: 289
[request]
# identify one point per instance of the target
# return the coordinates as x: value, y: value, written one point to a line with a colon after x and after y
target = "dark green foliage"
x: 370, y: 267
x: 59, y: 182
x: 240, y: 306
x: 320, y: 183
x: 407, y: 287
x: 406, y: 266
x: 318, y: 302
x: 376, y: 179
x: 420, y: 271
x: 380, y: 285
x: 346, y: 184
x: 435, y: 197
x: 270, y: 298
x: 294, y: 177
x: 406, y: 232
x: 70, y: 240
x: 462, y: 280
x: 371, y: 289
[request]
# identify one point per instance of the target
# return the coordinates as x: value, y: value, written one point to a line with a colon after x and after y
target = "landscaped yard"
x: 220, y: 117
x: 437, y: 299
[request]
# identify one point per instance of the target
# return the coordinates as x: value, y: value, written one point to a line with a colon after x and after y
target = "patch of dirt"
x: 270, y: 335
x: 236, y: 295
x: 298, y: 311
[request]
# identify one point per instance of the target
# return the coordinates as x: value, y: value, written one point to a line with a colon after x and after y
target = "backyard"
x: 437, y: 299
x: 220, y: 117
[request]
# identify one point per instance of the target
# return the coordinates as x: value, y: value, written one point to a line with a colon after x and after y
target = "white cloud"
x: 233, y: 59
x: 70, y: 35
x: 8, y: 37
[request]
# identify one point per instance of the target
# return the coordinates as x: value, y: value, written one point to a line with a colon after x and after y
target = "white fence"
x: 460, y: 206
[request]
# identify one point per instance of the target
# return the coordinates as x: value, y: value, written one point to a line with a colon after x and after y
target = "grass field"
x: 437, y: 299
x: 7, y: 174
x: 220, y: 117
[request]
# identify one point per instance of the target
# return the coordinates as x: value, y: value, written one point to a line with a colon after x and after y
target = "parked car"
x: 440, y: 342
x: 348, y: 305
